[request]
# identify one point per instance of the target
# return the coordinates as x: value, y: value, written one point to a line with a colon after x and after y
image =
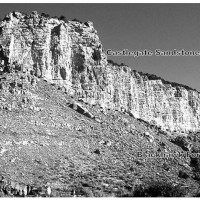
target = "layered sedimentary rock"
x: 70, y: 54
x: 48, y: 47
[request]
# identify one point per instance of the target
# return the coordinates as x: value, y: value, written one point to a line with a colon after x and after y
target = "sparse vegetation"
x: 195, y: 162
x: 158, y: 189
x: 63, y: 18
x: 114, y: 63
x: 76, y: 20
x: 183, y: 174
x: 96, y: 55
x: 45, y: 15
x: 14, y: 14
x: 173, y: 84
x: 86, y: 24
x: 6, y: 18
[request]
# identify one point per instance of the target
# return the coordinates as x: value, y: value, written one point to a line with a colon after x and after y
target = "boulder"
x: 183, y: 142
x: 81, y: 109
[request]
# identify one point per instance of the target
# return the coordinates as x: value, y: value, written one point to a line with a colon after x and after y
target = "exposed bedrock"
x: 71, y: 54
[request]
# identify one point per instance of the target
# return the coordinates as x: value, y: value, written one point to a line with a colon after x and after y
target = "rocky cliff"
x: 70, y: 54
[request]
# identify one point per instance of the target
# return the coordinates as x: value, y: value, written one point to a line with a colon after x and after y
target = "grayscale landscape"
x: 75, y: 123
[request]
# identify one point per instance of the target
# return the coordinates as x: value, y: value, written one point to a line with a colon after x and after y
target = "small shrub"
x: 114, y: 63
x: 123, y: 193
x: 195, y: 162
x: 158, y: 189
x: 97, y: 151
x: 173, y: 84
x: 76, y: 20
x: 98, y: 193
x: 86, y: 24
x: 63, y: 18
x: 182, y: 142
x: 183, y: 174
x: 196, y: 176
x: 197, y: 195
x: 83, y: 191
x: 132, y: 169
x: 45, y: 15
x: 137, y: 162
x: 14, y: 14
x: 165, y: 167
x: 6, y: 19
x: 96, y: 55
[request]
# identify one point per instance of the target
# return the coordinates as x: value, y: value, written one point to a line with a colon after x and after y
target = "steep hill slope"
x: 49, y: 137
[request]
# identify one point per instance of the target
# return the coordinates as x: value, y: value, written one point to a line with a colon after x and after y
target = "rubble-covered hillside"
x: 70, y: 53
x: 48, y: 138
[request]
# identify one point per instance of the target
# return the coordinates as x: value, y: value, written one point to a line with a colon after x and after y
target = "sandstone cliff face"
x: 48, y: 47
x: 71, y: 54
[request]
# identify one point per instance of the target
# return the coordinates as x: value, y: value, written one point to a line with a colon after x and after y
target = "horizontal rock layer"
x: 70, y: 54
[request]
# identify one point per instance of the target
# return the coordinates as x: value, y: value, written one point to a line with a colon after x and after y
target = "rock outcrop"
x: 80, y: 109
x: 70, y: 54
